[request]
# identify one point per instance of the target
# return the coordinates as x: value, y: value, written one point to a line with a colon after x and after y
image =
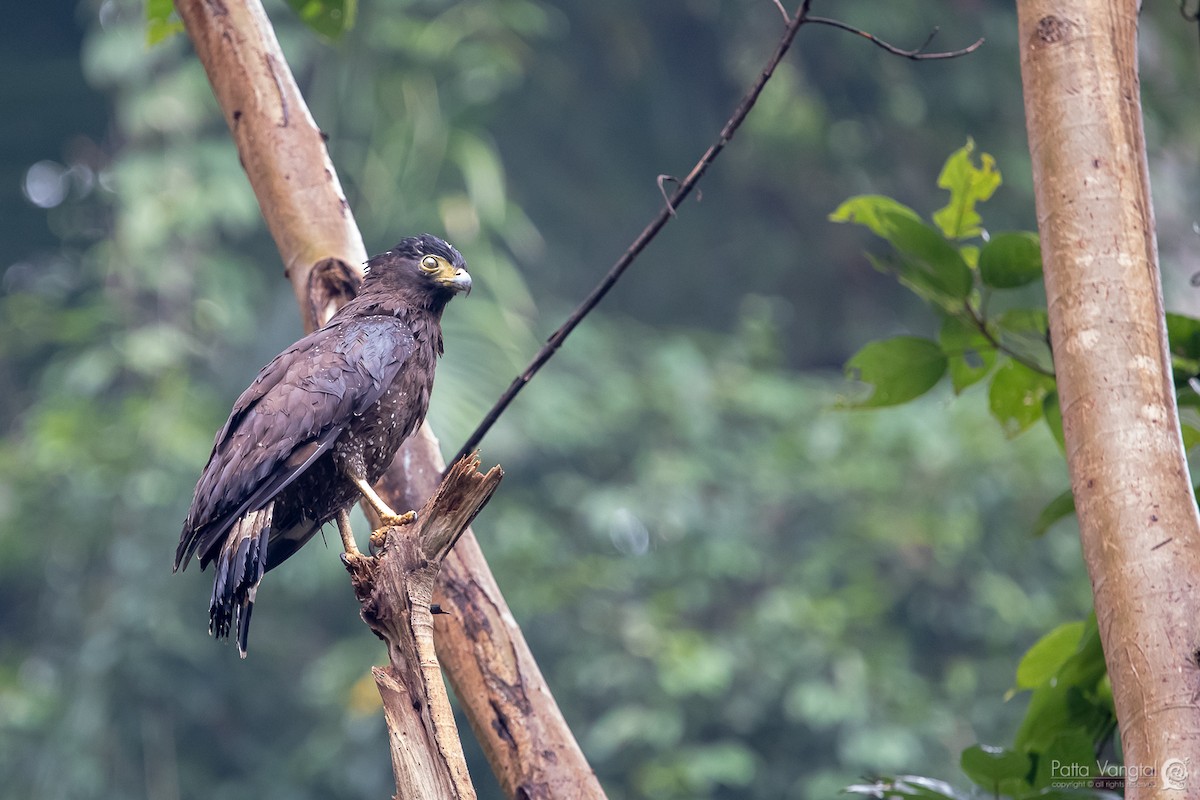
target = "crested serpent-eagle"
x: 319, y: 425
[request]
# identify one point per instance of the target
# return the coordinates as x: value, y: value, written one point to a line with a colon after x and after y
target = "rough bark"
x: 282, y: 151
x: 530, y: 749
x: 284, y: 155
x: 395, y: 589
x: 1137, y: 516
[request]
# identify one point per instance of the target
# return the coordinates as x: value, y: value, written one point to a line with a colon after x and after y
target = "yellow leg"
x: 343, y: 523
x: 386, y: 515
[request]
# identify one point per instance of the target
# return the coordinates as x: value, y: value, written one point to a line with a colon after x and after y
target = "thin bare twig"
x: 683, y: 189
x: 644, y: 238
x: 916, y: 55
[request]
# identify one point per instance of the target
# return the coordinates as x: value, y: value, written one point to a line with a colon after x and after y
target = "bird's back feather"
x: 291, y: 414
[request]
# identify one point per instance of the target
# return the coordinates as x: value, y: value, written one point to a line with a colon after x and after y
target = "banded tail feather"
x: 240, y: 567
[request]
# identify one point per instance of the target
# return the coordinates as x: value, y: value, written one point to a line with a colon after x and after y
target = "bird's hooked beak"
x: 456, y: 279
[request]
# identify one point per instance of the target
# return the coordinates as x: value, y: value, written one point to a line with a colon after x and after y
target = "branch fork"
x: 395, y: 590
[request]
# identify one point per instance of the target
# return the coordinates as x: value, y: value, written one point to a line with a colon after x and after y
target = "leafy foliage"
x: 923, y: 260
x: 956, y: 279
x: 1070, y: 717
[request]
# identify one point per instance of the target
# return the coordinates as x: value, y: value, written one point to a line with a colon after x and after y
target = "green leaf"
x: 925, y: 262
x: 928, y: 264
x: 873, y: 211
x: 1060, y: 507
x: 1052, y: 413
x: 989, y: 767
x: 968, y: 185
x: 330, y: 18
x: 1042, y: 661
x: 969, y: 353
x: 161, y: 21
x: 1015, y: 396
x: 1010, y: 260
x: 1074, y: 700
x: 899, y: 369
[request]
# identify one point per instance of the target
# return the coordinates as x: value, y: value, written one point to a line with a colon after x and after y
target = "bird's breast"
x: 376, y: 435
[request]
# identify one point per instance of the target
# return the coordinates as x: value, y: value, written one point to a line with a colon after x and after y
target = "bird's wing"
x: 289, y: 416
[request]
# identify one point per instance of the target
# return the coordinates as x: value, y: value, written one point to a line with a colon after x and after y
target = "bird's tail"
x: 240, y: 566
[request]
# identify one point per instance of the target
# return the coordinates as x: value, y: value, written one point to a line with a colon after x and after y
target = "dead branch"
x: 523, y: 733
x: 395, y: 590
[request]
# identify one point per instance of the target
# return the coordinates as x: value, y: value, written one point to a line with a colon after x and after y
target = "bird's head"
x: 425, y: 269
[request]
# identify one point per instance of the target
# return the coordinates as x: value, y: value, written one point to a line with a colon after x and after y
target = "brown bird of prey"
x: 319, y: 425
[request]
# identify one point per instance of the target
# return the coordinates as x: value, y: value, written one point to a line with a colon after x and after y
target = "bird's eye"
x: 429, y: 264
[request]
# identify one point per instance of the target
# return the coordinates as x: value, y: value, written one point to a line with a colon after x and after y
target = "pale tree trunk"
x: 1137, y: 516
x: 486, y: 658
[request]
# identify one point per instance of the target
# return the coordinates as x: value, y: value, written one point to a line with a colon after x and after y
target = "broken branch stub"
x: 395, y: 590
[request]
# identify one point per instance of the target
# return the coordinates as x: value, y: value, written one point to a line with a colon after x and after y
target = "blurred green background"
x: 734, y: 589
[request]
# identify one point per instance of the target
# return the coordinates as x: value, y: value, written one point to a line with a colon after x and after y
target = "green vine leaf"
x: 1024, y: 333
x: 1183, y: 338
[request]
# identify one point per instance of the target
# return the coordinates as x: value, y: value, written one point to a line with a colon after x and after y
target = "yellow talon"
x: 379, y: 536
x: 396, y: 520
x: 378, y: 539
